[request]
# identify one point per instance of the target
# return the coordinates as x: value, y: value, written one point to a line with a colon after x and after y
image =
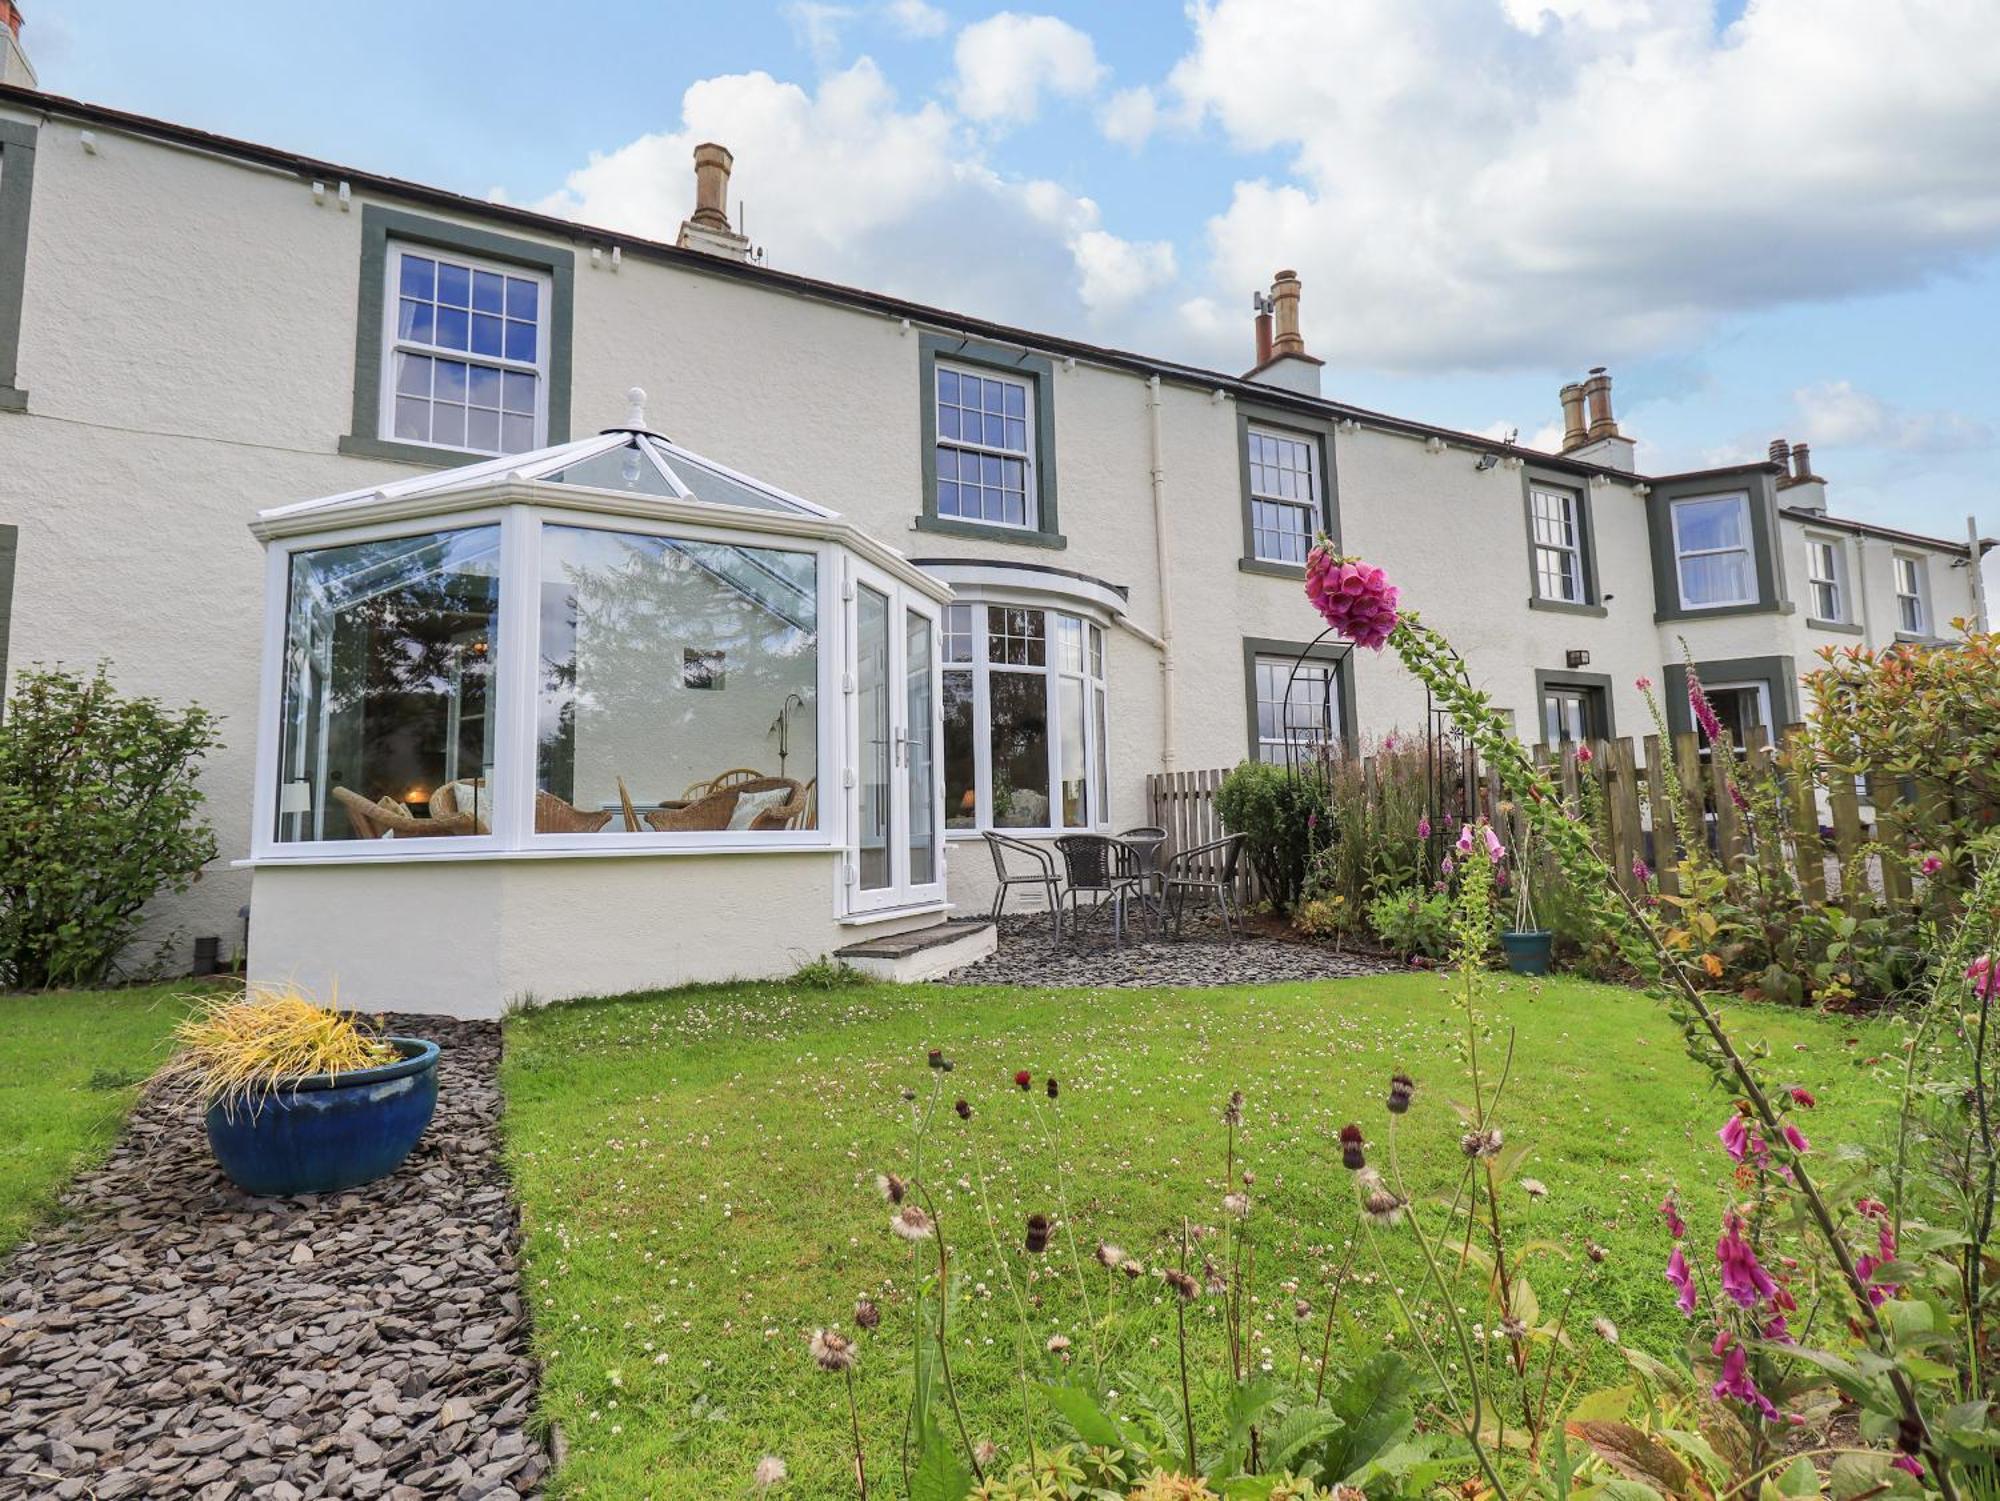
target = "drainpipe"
x: 1160, y: 551
x: 1977, y: 565
x: 1861, y: 588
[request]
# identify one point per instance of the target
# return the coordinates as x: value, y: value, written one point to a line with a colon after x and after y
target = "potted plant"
x: 1528, y: 947
x: 301, y: 1098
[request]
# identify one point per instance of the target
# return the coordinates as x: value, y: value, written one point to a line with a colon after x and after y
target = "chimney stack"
x: 707, y: 229
x: 15, y: 68
x: 1781, y: 455
x: 1286, y: 338
x: 1802, y: 469
x: 1574, y: 435
x: 1597, y: 398
x: 1803, y: 490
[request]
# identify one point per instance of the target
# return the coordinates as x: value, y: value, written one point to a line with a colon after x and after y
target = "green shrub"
x: 99, y: 813
x: 1413, y: 921
x: 1323, y: 916
x: 1372, y: 844
x: 1281, y: 817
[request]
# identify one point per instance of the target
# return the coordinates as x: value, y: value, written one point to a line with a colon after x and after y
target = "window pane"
x: 522, y: 297
x: 453, y: 328
x: 871, y: 652
x: 613, y: 608
x: 520, y: 393
x: 1015, y: 636
x: 413, y: 375
x: 413, y: 322
x: 521, y: 341
x: 1102, y: 758
x: 487, y: 293
x: 389, y: 688
x: 1020, y: 740
x: 1716, y: 579
x: 958, y: 633
x: 413, y: 419
x: 961, y: 807
x: 454, y: 284
x: 1075, y: 783
x: 485, y: 334
x: 1703, y: 524
x: 419, y: 277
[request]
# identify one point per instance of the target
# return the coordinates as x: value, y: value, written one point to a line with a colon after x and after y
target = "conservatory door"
x: 895, y: 854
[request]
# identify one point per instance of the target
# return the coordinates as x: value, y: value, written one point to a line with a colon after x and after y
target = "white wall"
x: 188, y: 346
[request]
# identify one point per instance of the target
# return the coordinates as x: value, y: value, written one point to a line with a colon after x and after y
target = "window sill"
x: 13, y: 399
x: 482, y: 856
x: 1019, y: 536
x: 1846, y: 627
x: 1268, y: 569
x: 1918, y: 638
x: 966, y: 836
x: 364, y: 447
x: 1716, y: 612
x: 1565, y: 607
x: 890, y: 914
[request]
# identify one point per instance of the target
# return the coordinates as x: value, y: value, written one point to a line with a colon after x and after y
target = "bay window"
x: 1712, y: 555
x: 1024, y: 718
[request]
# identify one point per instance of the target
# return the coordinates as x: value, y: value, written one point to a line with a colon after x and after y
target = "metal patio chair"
x: 1042, y: 873
x: 1106, y: 869
x: 1206, y: 871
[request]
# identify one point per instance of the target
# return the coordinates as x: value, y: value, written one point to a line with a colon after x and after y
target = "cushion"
x: 750, y: 804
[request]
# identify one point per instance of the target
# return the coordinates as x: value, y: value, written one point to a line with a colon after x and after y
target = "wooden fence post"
x: 1664, y: 840
x: 1808, y: 849
x: 1847, y: 841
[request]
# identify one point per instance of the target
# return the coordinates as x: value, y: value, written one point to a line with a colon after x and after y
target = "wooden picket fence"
x: 1826, y: 841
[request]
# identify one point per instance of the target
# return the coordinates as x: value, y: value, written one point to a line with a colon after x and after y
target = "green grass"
x: 71, y: 1063
x: 696, y: 1173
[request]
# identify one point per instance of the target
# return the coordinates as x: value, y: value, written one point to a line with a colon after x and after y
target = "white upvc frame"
x: 1831, y: 551
x: 1763, y: 692
x: 1569, y: 519
x: 394, y: 344
x: 1313, y: 507
x: 1097, y: 752
x: 1913, y: 569
x: 1289, y: 666
x: 1031, y: 498
x: 1748, y: 549
x: 513, y: 835
x: 901, y: 892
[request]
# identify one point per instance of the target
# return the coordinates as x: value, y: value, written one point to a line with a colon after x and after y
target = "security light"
x: 1486, y: 462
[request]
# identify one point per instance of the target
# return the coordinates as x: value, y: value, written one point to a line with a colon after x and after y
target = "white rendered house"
x: 197, y: 334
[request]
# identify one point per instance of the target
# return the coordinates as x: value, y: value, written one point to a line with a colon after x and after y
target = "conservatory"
x: 601, y: 717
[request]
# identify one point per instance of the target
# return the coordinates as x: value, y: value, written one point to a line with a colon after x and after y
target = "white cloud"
x: 1129, y: 116
x: 817, y: 28
x: 1839, y: 415
x: 1555, y: 182
x: 913, y: 18
x: 1006, y: 61
x: 845, y: 184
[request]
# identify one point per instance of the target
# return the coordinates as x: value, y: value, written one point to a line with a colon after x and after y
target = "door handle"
x: 902, y: 746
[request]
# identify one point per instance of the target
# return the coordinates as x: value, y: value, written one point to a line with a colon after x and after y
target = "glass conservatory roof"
x: 628, y: 458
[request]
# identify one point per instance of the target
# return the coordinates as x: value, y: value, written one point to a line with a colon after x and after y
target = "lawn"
x: 71, y: 1063
x: 696, y: 1172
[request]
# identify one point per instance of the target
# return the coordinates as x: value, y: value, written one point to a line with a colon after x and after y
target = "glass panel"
x: 921, y: 771
x: 1075, y: 796
x: 1103, y: 758
x: 389, y: 687
x: 667, y: 666
x: 1702, y: 524
x: 1020, y: 727
x: 623, y: 468
x: 720, y: 489
x: 961, y: 804
x: 958, y: 633
x: 1719, y: 578
x: 1015, y: 636
x: 872, y: 657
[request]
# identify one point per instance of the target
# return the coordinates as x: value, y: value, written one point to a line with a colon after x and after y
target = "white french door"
x: 895, y: 854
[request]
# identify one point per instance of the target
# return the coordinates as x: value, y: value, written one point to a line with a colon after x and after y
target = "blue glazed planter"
x: 1529, y: 950
x: 324, y: 1132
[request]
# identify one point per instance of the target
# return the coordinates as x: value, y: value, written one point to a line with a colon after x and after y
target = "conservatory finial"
x: 635, y: 408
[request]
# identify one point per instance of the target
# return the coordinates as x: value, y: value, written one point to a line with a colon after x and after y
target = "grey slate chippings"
x: 1026, y: 956
x: 179, y: 1338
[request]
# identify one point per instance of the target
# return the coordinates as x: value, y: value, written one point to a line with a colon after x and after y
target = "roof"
x: 1888, y: 533
x: 702, y: 263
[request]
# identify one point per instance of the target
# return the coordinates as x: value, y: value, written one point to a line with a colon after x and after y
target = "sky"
x: 1778, y: 218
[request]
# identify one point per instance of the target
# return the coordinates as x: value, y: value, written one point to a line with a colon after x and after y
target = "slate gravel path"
x: 1026, y: 956
x: 178, y: 1338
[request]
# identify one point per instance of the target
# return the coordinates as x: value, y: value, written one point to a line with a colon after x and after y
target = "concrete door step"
x: 923, y: 953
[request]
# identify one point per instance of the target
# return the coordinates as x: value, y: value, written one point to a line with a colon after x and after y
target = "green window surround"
x: 1338, y: 656
x: 379, y: 227
x: 17, y: 186
x: 1779, y: 675
x: 1015, y: 365
x: 1768, y: 565
x: 1597, y: 687
x: 1285, y: 424
x: 1578, y: 493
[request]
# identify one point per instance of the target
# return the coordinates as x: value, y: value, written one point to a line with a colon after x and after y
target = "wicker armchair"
x: 444, y: 804
x: 555, y: 816
x: 735, y: 777
x: 389, y: 818
x: 712, y: 812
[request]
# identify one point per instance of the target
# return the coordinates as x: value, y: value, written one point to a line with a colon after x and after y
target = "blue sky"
x: 1772, y: 219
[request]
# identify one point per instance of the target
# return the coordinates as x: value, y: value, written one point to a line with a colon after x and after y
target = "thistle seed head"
x: 833, y: 1351
x: 911, y: 1223
x: 1037, y: 1238
x: 1402, y: 1089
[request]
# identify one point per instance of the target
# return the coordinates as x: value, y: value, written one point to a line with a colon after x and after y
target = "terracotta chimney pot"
x: 10, y: 17
x: 1285, y: 309
x: 1263, y: 326
x: 1574, y: 435
x: 1802, y: 463
x: 1597, y: 398
x: 1781, y: 453
x: 711, y: 184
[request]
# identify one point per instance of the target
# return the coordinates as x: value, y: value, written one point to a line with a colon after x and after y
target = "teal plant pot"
x: 1529, y: 951
x: 323, y: 1132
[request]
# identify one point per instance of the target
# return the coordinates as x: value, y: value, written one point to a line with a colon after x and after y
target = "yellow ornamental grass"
x: 239, y: 1049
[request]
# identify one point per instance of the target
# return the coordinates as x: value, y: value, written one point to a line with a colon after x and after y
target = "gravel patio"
x: 1027, y: 956
x: 177, y: 1338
